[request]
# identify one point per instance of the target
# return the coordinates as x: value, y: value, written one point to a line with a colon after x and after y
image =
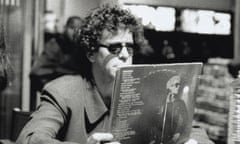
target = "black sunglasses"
x: 116, y: 48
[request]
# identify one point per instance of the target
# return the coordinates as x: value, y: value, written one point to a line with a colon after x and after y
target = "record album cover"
x: 154, y: 104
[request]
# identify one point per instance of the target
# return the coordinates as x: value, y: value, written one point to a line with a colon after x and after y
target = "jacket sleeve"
x: 45, y: 123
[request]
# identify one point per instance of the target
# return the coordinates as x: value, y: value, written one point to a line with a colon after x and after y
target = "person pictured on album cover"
x: 171, y: 124
x: 174, y: 113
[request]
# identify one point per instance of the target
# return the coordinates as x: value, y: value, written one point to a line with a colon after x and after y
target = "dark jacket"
x: 70, y: 110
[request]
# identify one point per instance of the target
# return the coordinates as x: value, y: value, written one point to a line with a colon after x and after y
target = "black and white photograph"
x: 119, y: 71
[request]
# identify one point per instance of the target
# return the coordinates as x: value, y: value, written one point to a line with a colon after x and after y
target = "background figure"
x: 186, y: 51
x: 174, y: 114
x: 6, y: 72
x: 50, y: 25
x: 57, y: 57
x: 167, y: 50
x: 6, y: 76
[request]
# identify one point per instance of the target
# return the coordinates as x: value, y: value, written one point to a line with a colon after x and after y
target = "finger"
x: 91, y: 140
x: 191, y: 141
x: 102, y: 136
x: 115, y: 142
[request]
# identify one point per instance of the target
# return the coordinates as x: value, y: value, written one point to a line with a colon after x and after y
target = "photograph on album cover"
x: 153, y: 104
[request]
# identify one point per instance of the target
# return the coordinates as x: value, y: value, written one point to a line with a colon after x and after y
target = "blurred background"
x: 205, y: 31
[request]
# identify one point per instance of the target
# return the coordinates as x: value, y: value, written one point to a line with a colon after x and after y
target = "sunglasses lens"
x: 117, y: 48
x: 130, y: 48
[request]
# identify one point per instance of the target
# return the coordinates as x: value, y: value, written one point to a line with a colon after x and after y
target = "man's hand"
x: 191, y: 141
x: 175, y: 137
x: 99, y: 138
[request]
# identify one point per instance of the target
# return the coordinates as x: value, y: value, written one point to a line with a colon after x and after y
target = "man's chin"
x: 112, y: 73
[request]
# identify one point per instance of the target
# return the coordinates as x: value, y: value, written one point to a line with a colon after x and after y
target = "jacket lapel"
x: 94, y: 105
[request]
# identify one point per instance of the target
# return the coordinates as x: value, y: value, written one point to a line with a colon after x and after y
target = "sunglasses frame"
x: 116, y: 48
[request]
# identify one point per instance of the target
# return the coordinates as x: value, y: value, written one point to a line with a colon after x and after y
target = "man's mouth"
x: 115, y: 66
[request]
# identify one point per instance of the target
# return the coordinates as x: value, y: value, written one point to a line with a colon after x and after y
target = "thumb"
x: 191, y: 141
x: 98, y: 137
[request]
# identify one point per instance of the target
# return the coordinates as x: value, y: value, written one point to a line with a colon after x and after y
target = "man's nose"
x: 124, y: 54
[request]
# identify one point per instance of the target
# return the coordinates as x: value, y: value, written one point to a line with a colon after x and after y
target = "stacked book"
x: 212, y: 101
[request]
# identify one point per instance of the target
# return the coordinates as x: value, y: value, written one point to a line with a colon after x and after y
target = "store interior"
x: 175, y: 31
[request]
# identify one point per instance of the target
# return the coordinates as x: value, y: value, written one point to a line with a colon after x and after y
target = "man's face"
x: 108, y: 58
x: 70, y: 28
x: 174, y: 88
x: 174, y: 84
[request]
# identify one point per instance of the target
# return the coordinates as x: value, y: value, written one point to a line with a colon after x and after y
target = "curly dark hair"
x: 106, y: 17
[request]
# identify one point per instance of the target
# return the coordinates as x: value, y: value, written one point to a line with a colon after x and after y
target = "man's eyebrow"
x: 119, y: 43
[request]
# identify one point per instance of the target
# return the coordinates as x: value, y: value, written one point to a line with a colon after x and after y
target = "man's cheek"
x: 108, y: 59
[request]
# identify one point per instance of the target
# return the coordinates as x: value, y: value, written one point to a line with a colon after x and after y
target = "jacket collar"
x: 94, y: 104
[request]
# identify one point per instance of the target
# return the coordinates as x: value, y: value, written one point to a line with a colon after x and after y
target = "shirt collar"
x: 94, y: 104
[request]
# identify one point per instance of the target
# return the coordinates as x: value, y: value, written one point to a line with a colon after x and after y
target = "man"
x: 4, y: 62
x: 57, y: 57
x: 75, y: 108
x: 175, y: 117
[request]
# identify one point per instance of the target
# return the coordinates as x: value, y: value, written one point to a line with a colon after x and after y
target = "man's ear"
x: 91, y: 57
